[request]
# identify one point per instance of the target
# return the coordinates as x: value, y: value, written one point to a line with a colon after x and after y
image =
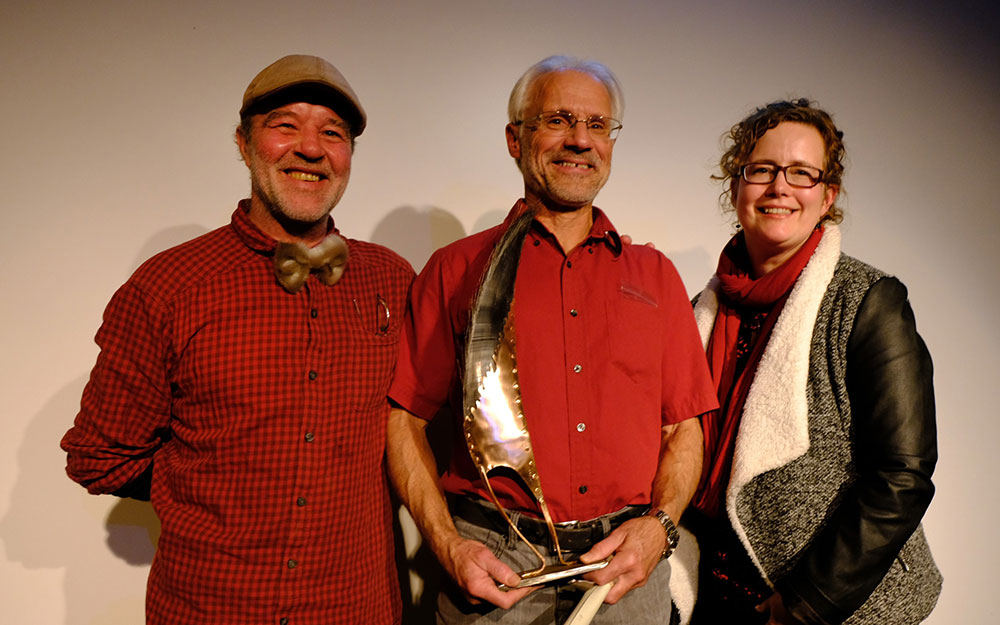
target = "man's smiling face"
x: 299, y: 156
x: 563, y: 171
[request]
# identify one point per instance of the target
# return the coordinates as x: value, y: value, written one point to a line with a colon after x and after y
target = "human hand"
x: 774, y: 606
x: 477, y: 572
x: 627, y: 240
x: 636, y: 546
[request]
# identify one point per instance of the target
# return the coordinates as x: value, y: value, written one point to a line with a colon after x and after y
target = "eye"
x: 597, y: 123
x: 557, y: 120
x: 805, y: 174
x: 759, y: 168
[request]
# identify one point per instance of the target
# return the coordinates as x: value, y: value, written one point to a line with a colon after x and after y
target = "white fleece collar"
x: 774, y: 429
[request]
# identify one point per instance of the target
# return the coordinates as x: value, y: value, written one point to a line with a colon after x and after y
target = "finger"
x: 500, y: 571
x: 505, y: 598
x: 622, y: 563
x: 604, y: 548
x: 617, y: 591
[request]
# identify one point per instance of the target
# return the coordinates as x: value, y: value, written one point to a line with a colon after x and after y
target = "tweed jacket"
x: 831, y: 470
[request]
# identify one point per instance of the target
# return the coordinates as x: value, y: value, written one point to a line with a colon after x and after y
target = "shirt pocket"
x: 635, y: 334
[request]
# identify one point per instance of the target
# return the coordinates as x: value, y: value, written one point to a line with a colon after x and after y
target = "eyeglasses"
x: 802, y: 176
x: 563, y: 122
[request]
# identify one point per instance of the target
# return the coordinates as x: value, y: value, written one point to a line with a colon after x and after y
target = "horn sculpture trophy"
x: 494, y: 425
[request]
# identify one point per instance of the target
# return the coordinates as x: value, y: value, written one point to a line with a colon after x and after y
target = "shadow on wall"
x: 415, y: 233
x: 54, y: 524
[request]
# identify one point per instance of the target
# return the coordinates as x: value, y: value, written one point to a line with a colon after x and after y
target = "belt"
x: 576, y: 536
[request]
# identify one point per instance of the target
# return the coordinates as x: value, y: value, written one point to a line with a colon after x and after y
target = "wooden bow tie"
x: 293, y: 262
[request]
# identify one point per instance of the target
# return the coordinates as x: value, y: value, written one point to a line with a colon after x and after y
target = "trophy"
x: 493, y: 423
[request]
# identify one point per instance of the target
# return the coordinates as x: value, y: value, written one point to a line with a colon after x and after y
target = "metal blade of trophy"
x: 493, y: 422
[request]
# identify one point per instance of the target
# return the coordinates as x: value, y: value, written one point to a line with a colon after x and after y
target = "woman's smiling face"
x: 778, y: 217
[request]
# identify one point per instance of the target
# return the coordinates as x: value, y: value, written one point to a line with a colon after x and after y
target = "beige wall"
x: 117, y: 120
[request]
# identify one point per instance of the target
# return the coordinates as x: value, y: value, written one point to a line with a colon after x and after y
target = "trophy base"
x: 555, y: 572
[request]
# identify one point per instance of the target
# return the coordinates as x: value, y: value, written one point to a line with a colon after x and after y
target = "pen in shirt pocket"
x: 380, y: 326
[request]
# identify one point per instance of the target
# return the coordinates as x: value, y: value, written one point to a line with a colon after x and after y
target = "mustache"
x: 297, y: 162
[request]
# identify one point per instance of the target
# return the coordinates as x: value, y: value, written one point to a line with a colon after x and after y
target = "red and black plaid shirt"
x: 263, y: 414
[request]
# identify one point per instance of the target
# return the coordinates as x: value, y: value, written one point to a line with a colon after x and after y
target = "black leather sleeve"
x: 890, y: 386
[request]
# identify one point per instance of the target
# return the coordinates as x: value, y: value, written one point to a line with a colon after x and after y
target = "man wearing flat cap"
x: 241, y: 385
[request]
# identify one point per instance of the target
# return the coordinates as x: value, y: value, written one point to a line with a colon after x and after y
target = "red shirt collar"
x: 602, y: 231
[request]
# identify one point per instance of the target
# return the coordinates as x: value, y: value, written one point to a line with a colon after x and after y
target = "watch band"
x: 673, y: 536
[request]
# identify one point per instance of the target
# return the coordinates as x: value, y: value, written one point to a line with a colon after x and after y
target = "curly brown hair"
x: 743, y: 137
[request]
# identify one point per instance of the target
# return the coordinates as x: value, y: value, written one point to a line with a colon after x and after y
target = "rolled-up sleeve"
x: 125, y: 410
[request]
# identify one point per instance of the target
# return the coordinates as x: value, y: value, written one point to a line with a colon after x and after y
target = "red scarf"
x: 741, y: 300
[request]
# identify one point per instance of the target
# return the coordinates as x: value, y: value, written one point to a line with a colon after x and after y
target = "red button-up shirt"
x: 263, y: 414
x: 607, y: 354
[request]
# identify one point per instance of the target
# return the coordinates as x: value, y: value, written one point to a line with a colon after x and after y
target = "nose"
x: 309, y: 147
x: 779, y: 186
x: 579, y: 136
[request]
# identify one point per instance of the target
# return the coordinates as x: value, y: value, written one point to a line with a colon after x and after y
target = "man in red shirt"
x: 241, y: 385
x: 611, y: 373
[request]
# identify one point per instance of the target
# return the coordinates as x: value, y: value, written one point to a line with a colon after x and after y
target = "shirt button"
x: 314, y: 313
x: 310, y: 437
x: 590, y: 250
x: 577, y: 368
x: 583, y: 490
x: 283, y: 621
x: 301, y: 501
x: 537, y: 242
x: 569, y: 263
x: 572, y: 312
x: 292, y: 563
x: 581, y: 427
x: 313, y: 375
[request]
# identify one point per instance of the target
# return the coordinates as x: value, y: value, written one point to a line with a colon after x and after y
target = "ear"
x: 513, y: 140
x: 829, y: 196
x: 241, y: 143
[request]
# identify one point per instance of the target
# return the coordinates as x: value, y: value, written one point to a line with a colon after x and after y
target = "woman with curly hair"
x: 818, y: 464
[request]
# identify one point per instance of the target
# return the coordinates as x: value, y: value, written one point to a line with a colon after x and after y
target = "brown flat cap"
x: 314, y: 79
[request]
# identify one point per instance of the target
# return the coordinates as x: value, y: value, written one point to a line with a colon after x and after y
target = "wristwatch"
x: 673, y: 537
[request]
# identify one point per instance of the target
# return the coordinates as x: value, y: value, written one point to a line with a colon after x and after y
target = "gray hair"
x: 558, y: 63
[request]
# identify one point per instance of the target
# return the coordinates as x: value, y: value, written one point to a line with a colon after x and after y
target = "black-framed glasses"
x: 563, y: 122
x: 802, y: 176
